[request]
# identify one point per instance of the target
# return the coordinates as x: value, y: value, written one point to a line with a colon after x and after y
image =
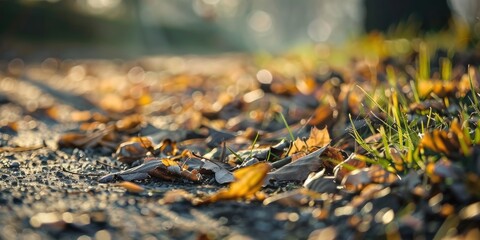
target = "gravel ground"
x: 52, y: 193
x: 47, y: 192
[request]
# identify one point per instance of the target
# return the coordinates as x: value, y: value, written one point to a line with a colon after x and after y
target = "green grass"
x: 404, y: 133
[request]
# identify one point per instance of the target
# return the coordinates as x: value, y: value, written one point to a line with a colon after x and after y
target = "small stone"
x: 14, y: 164
x: 60, y: 174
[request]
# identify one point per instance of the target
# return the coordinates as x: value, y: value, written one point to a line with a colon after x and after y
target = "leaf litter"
x: 349, y: 147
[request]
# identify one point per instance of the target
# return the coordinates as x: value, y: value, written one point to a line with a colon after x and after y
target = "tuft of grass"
x: 236, y: 154
x: 282, y: 117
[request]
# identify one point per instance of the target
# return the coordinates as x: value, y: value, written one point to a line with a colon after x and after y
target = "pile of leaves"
x: 387, y: 148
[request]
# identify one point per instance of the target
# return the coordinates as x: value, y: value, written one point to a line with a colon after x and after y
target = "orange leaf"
x: 248, y: 181
x: 131, y: 187
x: 448, y: 143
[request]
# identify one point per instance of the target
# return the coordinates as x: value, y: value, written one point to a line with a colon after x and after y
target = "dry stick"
x: 224, y: 150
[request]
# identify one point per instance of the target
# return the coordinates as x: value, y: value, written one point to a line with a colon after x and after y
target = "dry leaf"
x: 350, y: 164
x: 331, y: 157
x: 131, y: 187
x: 379, y: 175
x: 222, y: 175
x: 448, y: 142
x: 357, y: 179
x: 317, y: 139
x: 300, y: 169
x: 397, y: 160
x: 322, y: 115
x: 138, y: 172
x: 134, y: 149
x: 248, y: 181
x: 320, y: 184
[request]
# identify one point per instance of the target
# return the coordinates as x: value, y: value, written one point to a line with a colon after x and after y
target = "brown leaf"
x: 350, y: 164
x: 135, y: 173
x: 170, y: 170
x: 448, y: 142
x: 331, y: 157
x: 397, y: 160
x: 358, y: 179
x: 168, y: 147
x: 248, y: 181
x: 134, y: 149
x: 322, y: 115
x: 317, y: 139
x: 379, y: 175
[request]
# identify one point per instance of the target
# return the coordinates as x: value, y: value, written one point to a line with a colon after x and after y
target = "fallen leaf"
x: 397, y: 160
x: 247, y: 182
x: 135, y: 173
x: 134, y: 149
x: 167, y: 147
x: 453, y: 143
x: 131, y: 187
x: 348, y: 165
x: 222, y: 175
x: 357, y: 179
x: 300, y: 169
x: 379, y: 175
x: 317, y: 139
x: 320, y: 184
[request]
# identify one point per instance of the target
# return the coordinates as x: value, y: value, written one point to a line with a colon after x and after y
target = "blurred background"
x: 36, y: 29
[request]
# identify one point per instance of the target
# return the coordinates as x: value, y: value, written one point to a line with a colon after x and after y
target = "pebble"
x: 14, y: 164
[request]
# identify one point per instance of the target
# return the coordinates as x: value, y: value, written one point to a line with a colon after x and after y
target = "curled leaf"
x: 134, y: 149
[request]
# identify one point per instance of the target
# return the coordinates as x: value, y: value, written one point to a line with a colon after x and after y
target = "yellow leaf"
x: 248, y: 181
